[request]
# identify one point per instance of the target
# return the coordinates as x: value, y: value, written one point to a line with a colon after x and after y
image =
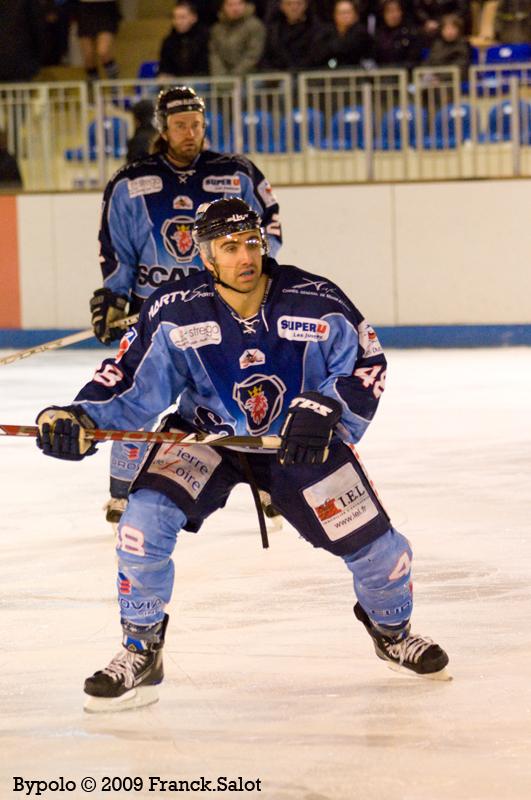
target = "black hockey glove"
x: 108, y: 308
x: 62, y: 433
x: 308, y: 429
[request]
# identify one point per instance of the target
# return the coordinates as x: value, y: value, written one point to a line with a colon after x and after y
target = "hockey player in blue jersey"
x: 146, y: 231
x: 246, y: 347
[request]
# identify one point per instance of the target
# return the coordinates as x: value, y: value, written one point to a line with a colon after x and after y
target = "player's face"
x: 238, y: 259
x: 185, y: 134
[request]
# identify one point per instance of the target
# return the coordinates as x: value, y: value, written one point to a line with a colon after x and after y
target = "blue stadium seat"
x: 148, y: 69
x: 219, y: 134
x: 491, y: 83
x: 391, y: 133
x: 347, y: 128
x: 508, y: 53
x: 264, y: 134
x: 446, y: 125
x: 500, y: 122
x: 315, y: 129
x: 115, y: 134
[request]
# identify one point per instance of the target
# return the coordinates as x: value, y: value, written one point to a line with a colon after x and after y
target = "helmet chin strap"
x: 217, y: 279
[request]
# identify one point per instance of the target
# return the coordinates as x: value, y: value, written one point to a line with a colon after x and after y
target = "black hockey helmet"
x: 224, y: 217
x: 174, y: 100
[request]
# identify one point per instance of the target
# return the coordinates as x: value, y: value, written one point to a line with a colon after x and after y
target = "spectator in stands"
x: 22, y: 39
x: 207, y: 11
x: 429, y: 13
x: 185, y: 50
x: 295, y: 39
x: 10, y: 177
x: 145, y: 133
x: 396, y: 41
x: 97, y: 25
x: 450, y: 48
x: 350, y: 44
x: 57, y: 23
x: 237, y: 40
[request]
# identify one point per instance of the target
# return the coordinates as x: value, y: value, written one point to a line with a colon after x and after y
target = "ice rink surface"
x: 268, y: 674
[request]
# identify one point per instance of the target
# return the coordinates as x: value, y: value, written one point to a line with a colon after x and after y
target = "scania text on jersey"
x: 158, y: 276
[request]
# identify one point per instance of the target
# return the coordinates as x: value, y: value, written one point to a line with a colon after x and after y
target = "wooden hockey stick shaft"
x: 165, y: 437
x: 63, y: 342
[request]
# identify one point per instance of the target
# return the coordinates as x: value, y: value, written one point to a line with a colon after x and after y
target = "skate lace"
x: 409, y: 649
x: 125, y: 665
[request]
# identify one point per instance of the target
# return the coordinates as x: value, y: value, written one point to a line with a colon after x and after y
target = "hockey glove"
x: 108, y: 308
x: 308, y: 429
x: 62, y: 433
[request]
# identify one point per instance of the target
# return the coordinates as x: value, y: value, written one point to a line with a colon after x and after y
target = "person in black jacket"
x: 185, y: 50
x: 139, y: 146
x: 350, y: 43
x: 22, y: 39
x: 396, y: 41
x: 428, y: 14
x: 10, y: 177
x: 295, y: 39
x: 450, y: 48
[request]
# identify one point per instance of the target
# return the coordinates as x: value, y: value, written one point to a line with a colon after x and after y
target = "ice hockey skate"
x: 114, y: 508
x: 130, y: 680
x: 406, y: 652
x: 272, y: 515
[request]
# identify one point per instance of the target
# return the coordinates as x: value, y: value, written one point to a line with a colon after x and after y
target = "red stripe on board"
x: 9, y: 273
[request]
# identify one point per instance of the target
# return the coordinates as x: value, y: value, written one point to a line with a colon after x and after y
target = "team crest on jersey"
x: 260, y: 398
x: 125, y: 343
x: 252, y: 358
x: 183, y: 201
x: 177, y: 237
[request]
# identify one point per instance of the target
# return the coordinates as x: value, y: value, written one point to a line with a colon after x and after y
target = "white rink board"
x: 267, y: 673
x: 431, y: 253
x: 463, y: 253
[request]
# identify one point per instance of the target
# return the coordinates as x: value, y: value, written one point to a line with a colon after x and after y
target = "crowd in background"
x: 235, y: 37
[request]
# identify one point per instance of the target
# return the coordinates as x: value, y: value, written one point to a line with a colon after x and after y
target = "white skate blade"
x: 441, y: 675
x: 136, y: 698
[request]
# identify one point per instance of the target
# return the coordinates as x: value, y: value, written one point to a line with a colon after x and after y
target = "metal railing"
x: 317, y: 127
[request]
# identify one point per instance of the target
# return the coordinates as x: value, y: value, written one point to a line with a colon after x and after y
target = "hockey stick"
x: 63, y: 342
x: 165, y: 437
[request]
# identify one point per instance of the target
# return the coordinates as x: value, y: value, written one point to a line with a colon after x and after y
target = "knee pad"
x: 382, y: 578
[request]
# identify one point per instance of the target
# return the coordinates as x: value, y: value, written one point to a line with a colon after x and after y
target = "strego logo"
x: 303, y: 329
x: 222, y: 183
x: 146, y: 184
x: 199, y: 334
